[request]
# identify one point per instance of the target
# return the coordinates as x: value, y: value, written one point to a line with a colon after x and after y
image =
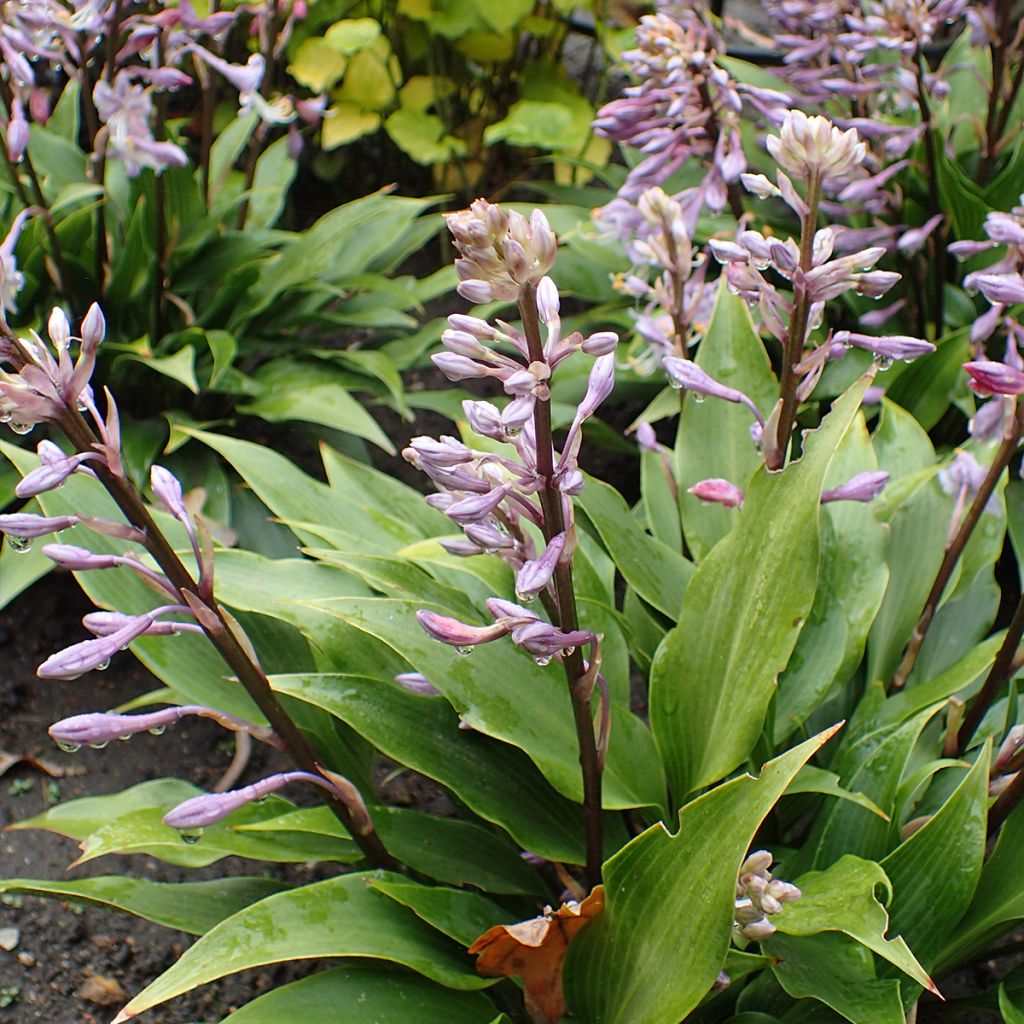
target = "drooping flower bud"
x: 718, y: 491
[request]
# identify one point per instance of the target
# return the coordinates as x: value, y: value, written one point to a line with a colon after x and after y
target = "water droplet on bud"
x: 19, y: 545
x: 190, y: 835
x: 882, y: 362
x: 543, y: 659
x: 103, y: 665
x: 513, y: 431
x: 568, y: 651
x: 21, y: 428
x: 157, y: 730
x: 261, y: 800
x: 675, y: 385
x: 463, y: 651
x: 5, y: 417
x: 98, y: 746
x: 125, y: 738
x: 699, y: 398
x: 69, y: 748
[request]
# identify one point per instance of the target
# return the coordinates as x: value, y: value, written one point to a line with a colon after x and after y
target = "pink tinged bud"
x: 873, y: 396
x: 485, y: 535
x: 526, y: 382
x: 547, y: 301
x: 1003, y: 288
x: 460, y: 547
x: 518, y: 413
x: 52, y: 475
x: 985, y: 326
x: 94, y: 328
x: 987, y: 423
x: 965, y: 250
x: 570, y: 481
x: 912, y: 241
x: 535, y: 575
x: 480, y: 329
x: 893, y: 346
x: 167, y: 488
x: 456, y: 367
x: 68, y: 556
x: 686, y: 374
x: 728, y: 252
x: 601, y: 343
x: 90, y: 654
x: 58, y: 328
x: 718, y: 491
x: 458, y: 634
x: 759, y: 185
x: 446, y: 452
x: 464, y: 344
x: 863, y: 487
x: 476, y: 506
x: 646, y: 438
x: 991, y: 378
x: 17, y: 133
x: 414, y: 682
x: 26, y: 526
x: 484, y: 418
x: 544, y: 641
x: 476, y: 291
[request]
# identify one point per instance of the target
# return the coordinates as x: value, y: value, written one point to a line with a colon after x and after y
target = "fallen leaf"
x: 535, y: 950
x: 101, y: 990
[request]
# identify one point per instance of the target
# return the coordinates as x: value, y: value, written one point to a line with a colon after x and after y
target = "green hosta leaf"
x: 227, y: 148
x: 665, y: 894
x: 715, y: 673
x: 339, y: 917
x: 275, y: 172
x: 296, y: 391
x: 835, y: 970
x: 450, y: 850
x: 532, y: 123
x: 714, y: 437
x: 657, y: 573
x: 371, y: 76
x: 499, y: 691
x: 180, y: 367
x: 361, y: 993
x: 851, y: 584
x: 811, y: 779
x: 462, y: 916
x: 352, y: 34
x: 661, y: 507
x: 317, y: 65
x: 422, y: 136
x: 844, y: 899
x: 193, y: 907
x: 1011, y: 1014
x: 950, y: 846
x: 495, y: 780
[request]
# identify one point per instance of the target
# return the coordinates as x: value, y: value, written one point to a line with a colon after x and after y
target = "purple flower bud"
x: 480, y: 329
x: 476, y: 506
x: 547, y: 301
x: 26, y: 525
x: 71, y: 662
x: 543, y: 640
x: 518, y: 413
x: 912, y: 241
x: 535, y: 575
x: 51, y: 474
x: 987, y: 423
x: 464, y: 344
x: 992, y: 378
x: 863, y: 487
x: 686, y: 374
x: 601, y: 343
x: 461, y: 547
x: 167, y: 488
x: 893, y: 346
x: 77, y: 559
x: 456, y: 367
x: 444, y: 453
x: 458, y: 634
x: 873, y: 396
x: 966, y: 249
x: 1002, y: 288
x: 17, y: 133
x: 489, y: 537
x: 484, y: 418
x: 94, y: 328
x: 420, y: 685
x: 646, y: 438
x: 719, y: 491
x: 476, y: 291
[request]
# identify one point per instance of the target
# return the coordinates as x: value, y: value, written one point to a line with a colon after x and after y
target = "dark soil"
x: 59, y: 947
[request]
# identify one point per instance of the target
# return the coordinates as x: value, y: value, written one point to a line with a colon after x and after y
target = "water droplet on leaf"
x: 190, y: 835
x: 19, y: 545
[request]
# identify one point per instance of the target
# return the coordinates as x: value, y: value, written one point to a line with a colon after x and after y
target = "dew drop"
x: 98, y: 746
x: 103, y: 665
x: 463, y: 651
x: 675, y: 385
x: 21, y: 428
x: 513, y: 431
x: 125, y: 738
x: 82, y: 406
x: 69, y: 748
x: 19, y: 545
x: 699, y: 398
x: 261, y: 800
x: 5, y: 417
x: 882, y: 362
x: 568, y: 652
x: 190, y: 835
x: 157, y: 730
x: 543, y: 659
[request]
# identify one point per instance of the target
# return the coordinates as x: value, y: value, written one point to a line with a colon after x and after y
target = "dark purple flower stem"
x: 565, y: 599
x: 217, y: 627
x: 1001, y: 670
x: 955, y: 549
x: 1005, y: 803
x: 775, y: 454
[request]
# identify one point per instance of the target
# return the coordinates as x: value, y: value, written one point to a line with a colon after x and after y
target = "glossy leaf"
x: 715, y: 673
x: 666, y: 893
x: 844, y: 898
x: 193, y: 907
x: 360, y: 993
x: 342, y: 916
x: 460, y: 915
x: 714, y: 437
x: 811, y: 779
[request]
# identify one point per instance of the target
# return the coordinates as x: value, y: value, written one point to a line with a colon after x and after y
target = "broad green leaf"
x: 670, y: 893
x: 193, y: 907
x: 462, y: 916
x: 844, y: 898
x: 227, y: 148
x: 352, y: 34
x: 656, y: 572
x: 317, y: 65
x: 714, y: 437
x: 1011, y: 1014
x: 275, y: 172
x: 361, y: 993
x: 532, y: 123
x: 715, y: 673
x: 371, y: 76
x: 950, y: 846
x: 495, y: 780
x: 180, y: 367
x: 834, y: 970
x: 339, y: 917
x: 500, y: 691
x: 811, y: 779
x: 422, y: 136
x: 447, y: 849
x: 851, y: 584
x: 661, y: 506
x: 346, y: 122
x: 312, y: 394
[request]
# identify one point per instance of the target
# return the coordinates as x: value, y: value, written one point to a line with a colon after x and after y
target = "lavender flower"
x: 864, y: 487
x: 685, y: 374
x: 992, y: 378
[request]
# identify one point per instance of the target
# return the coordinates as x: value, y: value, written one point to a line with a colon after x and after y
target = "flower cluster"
x: 758, y: 897
x: 515, y: 505
x: 685, y: 105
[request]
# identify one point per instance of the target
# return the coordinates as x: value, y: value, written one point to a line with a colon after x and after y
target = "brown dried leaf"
x: 55, y: 771
x: 535, y: 950
x: 101, y: 990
